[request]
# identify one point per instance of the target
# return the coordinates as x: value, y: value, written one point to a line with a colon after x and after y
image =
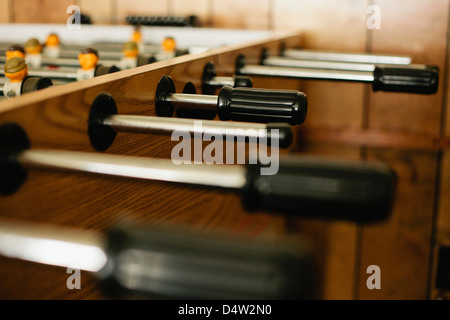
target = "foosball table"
x: 196, y: 175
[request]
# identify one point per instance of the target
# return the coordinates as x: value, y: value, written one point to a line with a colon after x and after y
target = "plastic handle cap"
x: 323, y: 188
x: 409, y: 80
x: 262, y: 105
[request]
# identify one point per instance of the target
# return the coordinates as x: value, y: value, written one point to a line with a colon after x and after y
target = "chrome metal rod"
x: 222, y: 176
x: 74, y: 62
x: 68, y: 62
x: 317, y: 64
x: 193, y: 101
x: 144, y: 124
x: 221, y: 81
x: 53, y: 246
x: 111, y: 55
x: 330, y: 65
x: 346, y: 57
x: 304, y: 73
x: 111, y: 49
x: 52, y: 74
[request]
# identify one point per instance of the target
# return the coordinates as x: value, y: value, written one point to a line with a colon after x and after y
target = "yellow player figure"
x: 15, y: 51
x: 168, y: 47
x: 88, y: 59
x: 16, y: 70
x: 52, y: 46
x: 130, y: 53
x: 138, y: 38
x: 33, y: 49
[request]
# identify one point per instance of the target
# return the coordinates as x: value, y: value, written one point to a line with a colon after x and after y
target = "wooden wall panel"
x: 100, y: 11
x: 141, y: 7
x: 5, y: 11
x: 236, y: 14
x: 201, y: 8
x: 419, y: 29
x: 442, y: 236
x: 402, y: 246
x: 41, y: 11
x: 326, y: 24
x: 444, y: 208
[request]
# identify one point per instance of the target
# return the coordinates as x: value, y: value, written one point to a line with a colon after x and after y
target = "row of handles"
x: 407, y: 78
x: 196, y: 267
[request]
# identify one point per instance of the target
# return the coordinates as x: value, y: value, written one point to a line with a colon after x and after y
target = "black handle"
x: 411, y: 80
x: 262, y: 105
x: 284, y: 134
x: 144, y: 60
x: 102, y: 70
x: 175, y: 264
x: 322, y: 188
x: 243, y: 82
x: 31, y: 84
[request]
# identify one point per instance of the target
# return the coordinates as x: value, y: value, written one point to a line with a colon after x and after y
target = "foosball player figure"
x: 33, y: 49
x: 90, y: 68
x: 138, y: 38
x: 88, y: 59
x: 16, y: 70
x: 169, y: 47
x: 130, y: 57
x: 52, y: 46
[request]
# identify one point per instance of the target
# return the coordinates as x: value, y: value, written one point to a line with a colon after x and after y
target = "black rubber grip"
x: 407, y: 79
x: 13, y: 140
x: 262, y: 105
x: 166, y: 21
x: 144, y: 60
x: 31, y: 84
x: 102, y: 70
x: 178, y: 264
x: 322, y: 188
x: 243, y: 82
x: 277, y: 135
x: 284, y: 134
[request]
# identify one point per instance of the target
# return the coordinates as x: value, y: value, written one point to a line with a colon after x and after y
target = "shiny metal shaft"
x: 82, y: 250
x: 224, y: 176
x: 346, y: 57
x: 221, y: 81
x: 317, y: 64
x: 305, y: 73
x: 54, y: 74
x: 162, y: 125
x: 74, y: 62
x: 193, y: 101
